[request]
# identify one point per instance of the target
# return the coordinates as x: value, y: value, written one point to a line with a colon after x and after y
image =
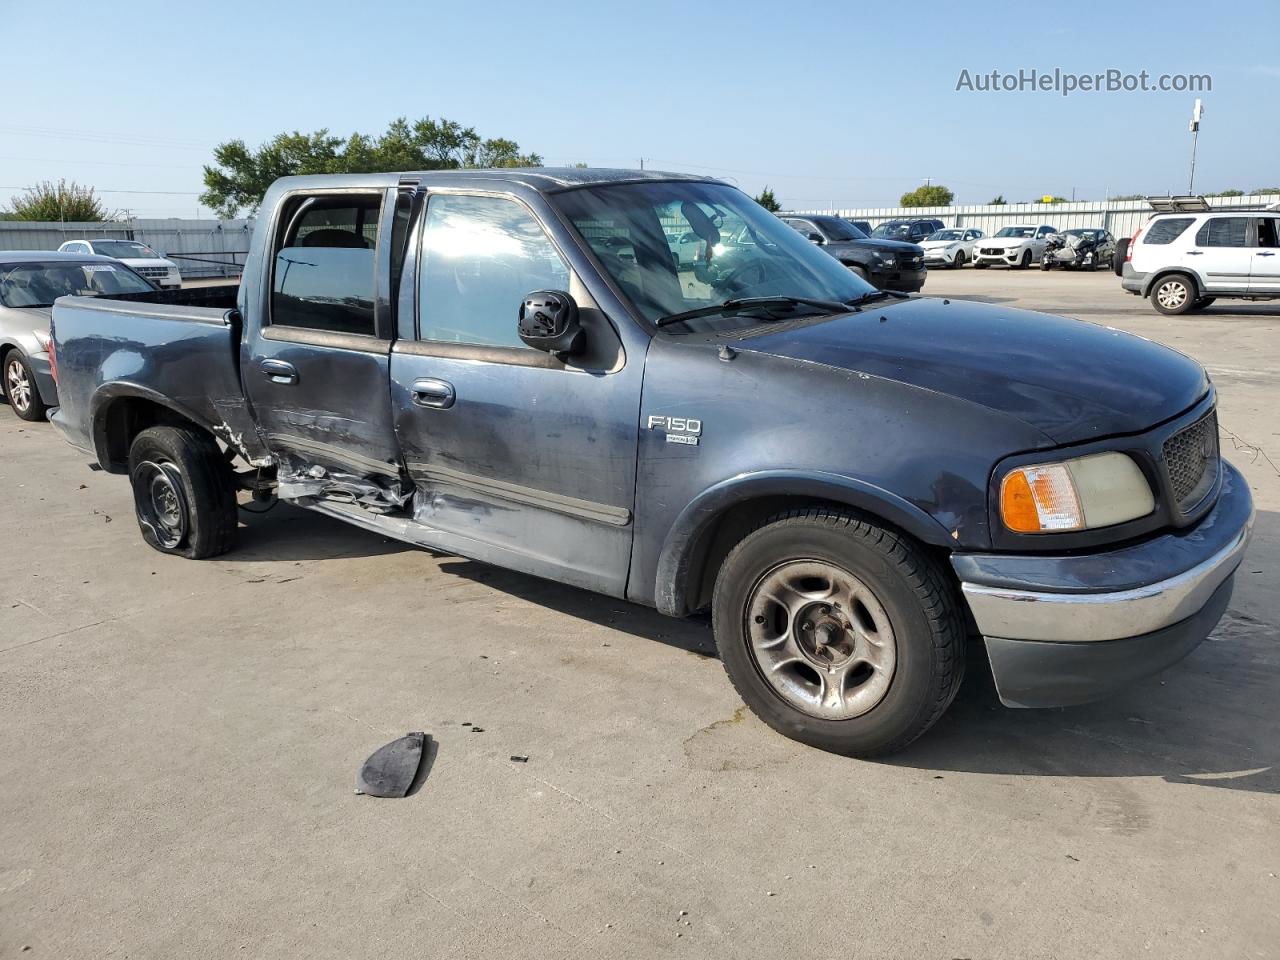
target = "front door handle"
x: 430, y: 392
x: 1266, y: 254
x: 1195, y: 253
x: 277, y: 371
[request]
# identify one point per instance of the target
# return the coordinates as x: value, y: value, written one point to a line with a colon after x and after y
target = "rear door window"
x: 1167, y: 230
x: 324, y: 264
x: 1224, y: 232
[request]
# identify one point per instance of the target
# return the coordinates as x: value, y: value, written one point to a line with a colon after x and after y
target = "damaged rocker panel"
x: 531, y: 496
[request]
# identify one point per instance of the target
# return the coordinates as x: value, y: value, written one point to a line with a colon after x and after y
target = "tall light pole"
x: 1196, y: 113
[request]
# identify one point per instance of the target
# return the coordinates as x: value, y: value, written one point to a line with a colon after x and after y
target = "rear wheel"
x: 1174, y: 294
x: 20, y: 388
x: 183, y: 492
x: 838, y: 632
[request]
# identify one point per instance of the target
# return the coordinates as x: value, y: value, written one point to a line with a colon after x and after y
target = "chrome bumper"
x: 1067, y: 629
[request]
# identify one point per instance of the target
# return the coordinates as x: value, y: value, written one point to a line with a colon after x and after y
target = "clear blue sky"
x: 829, y: 103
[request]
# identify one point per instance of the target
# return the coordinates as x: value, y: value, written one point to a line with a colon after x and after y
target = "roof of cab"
x: 542, y: 179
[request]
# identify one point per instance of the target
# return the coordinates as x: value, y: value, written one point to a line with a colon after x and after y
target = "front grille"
x: 153, y: 273
x: 992, y: 252
x: 910, y: 263
x: 1191, y: 459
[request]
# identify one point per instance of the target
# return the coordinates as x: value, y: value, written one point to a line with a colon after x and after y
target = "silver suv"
x: 1184, y: 261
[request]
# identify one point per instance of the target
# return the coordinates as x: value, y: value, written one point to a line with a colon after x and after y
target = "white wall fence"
x: 200, y: 248
x: 1121, y: 217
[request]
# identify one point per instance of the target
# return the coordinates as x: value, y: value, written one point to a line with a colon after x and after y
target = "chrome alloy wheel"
x: 162, y: 504
x: 821, y: 639
x: 17, y: 384
x: 1172, y: 294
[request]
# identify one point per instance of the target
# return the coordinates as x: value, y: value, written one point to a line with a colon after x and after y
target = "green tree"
x: 996, y: 201
x: 768, y: 200
x: 1267, y: 190
x: 239, y: 177
x: 935, y: 195
x: 59, y: 201
x: 1226, y: 193
x: 1129, y: 196
x: 1053, y: 200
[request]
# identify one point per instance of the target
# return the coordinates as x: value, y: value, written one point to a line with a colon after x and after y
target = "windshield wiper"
x: 875, y: 295
x: 747, y: 303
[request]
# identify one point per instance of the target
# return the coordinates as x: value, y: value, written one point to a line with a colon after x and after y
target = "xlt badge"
x: 679, y: 429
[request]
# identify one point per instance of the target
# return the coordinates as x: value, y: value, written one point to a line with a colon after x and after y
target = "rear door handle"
x: 1195, y: 253
x: 430, y: 392
x: 277, y: 371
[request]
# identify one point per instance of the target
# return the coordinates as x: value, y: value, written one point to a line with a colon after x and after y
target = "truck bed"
x: 178, y: 349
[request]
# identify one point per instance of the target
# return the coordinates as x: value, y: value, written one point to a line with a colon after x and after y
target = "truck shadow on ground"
x: 1210, y: 720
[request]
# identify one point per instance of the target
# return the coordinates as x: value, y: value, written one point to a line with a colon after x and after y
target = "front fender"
x: 697, y: 518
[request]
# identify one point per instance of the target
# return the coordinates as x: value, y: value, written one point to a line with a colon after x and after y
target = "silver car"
x: 30, y: 280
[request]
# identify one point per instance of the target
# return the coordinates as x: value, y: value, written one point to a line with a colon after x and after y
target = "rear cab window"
x: 324, y: 269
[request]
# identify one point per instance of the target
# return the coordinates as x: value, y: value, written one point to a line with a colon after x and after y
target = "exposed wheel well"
x: 124, y: 419
x: 712, y: 545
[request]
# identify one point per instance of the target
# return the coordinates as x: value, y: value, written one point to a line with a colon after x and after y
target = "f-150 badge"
x: 679, y: 429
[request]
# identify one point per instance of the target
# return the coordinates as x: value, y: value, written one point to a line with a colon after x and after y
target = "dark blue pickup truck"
x: 512, y: 366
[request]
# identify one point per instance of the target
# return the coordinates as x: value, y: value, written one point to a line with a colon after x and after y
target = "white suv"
x: 1185, y: 261
x: 1017, y: 245
x: 137, y: 256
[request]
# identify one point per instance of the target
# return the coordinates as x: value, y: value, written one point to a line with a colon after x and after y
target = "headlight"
x: 42, y: 338
x: 885, y: 259
x: 1080, y: 494
x: 953, y: 247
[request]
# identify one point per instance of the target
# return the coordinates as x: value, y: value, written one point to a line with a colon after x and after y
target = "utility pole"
x: 642, y: 163
x: 1196, y: 112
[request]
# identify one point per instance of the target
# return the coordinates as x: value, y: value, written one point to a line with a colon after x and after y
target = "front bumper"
x: 1070, y: 629
x: 1008, y: 257
x: 892, y: 278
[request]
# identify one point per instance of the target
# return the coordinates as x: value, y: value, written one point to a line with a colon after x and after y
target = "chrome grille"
x: 1191, y: 459
x: 153, y: 272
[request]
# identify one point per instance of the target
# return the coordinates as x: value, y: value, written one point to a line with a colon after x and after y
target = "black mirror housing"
x: 549, y: 321
x: 816, y: 238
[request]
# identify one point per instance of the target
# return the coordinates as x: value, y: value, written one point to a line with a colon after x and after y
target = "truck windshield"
x: 893, y: 230
x: 39, y: 283
x: 124, y: 250
x: 746, y: 252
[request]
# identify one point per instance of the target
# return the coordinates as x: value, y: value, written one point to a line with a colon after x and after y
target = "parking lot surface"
x: 180, y: 742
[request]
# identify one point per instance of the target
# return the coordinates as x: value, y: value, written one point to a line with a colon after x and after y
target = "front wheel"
x: 958, y: 262
x: 860, y: 273
x: 838, y: 632
x: 21, y: 390
x: 1025, y: 261
x: 183, y: 492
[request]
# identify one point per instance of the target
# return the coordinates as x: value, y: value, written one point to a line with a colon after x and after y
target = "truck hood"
x: 1072, y: 380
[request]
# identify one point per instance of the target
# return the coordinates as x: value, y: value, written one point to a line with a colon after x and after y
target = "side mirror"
x: 816, y: 238
x: 549, y: 321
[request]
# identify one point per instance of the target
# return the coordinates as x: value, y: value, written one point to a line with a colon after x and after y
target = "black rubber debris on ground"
x: 391, y: 770
x: 519, y: 759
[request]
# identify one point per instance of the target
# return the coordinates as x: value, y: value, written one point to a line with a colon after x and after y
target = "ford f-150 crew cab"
x: 511, y: 366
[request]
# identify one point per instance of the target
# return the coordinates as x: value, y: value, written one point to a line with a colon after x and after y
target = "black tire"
x: 959, y: 261
x: 1173, y: 294
x: 1202, y: 303
x: 860, y: 273
x: 1117, y: 258
x: 183, y: 469
x: 913, y: 593
x: 20, y: 389
x: 1025, y: 261
x: 979, y: 266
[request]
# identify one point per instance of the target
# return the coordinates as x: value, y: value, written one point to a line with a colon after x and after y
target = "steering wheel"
x: 735, y: 281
